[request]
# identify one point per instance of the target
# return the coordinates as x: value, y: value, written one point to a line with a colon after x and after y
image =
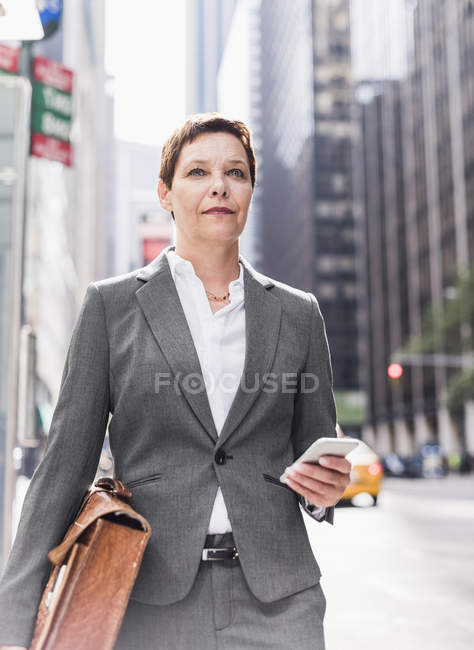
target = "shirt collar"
x: 185, y: 268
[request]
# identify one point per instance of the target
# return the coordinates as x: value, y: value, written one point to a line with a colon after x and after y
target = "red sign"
x: 52, y: 73
x: 151, y: 248
x: 9, y: 58
x: 50, y: 148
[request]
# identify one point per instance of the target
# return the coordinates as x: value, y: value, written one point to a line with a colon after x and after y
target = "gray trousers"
x: 221, y: 613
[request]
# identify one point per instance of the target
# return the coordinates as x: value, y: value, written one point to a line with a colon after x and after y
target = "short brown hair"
x: 195, y: 126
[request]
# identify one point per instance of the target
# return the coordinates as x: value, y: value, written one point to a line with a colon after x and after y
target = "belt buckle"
x: 205, y: 554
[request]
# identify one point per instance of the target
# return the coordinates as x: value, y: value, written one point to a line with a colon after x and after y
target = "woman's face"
x: 211, y: 189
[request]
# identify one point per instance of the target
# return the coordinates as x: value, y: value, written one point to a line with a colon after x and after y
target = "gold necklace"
x: 215, y: 298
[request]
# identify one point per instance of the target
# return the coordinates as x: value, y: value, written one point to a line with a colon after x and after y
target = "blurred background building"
x: 69, y: 235
x: 239, y: 95
x: 287, y: 142
x: 142, y: 227
x: 414, y: 170
x: 334, y: 263
x: 207, y: 28
x: 68, y: 241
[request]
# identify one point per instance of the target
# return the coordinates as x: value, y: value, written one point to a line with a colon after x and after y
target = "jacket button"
x: 220, y: 457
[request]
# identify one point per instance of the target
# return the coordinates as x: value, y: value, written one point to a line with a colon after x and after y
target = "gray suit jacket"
x: 132, y: 355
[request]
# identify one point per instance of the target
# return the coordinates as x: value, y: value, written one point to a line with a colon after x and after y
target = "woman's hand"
x: 322, y: 486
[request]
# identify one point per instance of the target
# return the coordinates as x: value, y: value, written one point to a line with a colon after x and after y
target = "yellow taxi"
x: 366, y: 473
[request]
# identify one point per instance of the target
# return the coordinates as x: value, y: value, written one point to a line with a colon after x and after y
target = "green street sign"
x: 51, y: 111
x: 50, y: 124
x: 47, y: 98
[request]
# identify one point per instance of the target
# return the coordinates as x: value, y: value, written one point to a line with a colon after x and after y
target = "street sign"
x: 49, y: 10
x: 44, y: 147
x: 52, y: 108
x: 50, y: 14
x: 52, y: 73
x: 47, y: 98
x: 48, y: 123
x: 9, y: 58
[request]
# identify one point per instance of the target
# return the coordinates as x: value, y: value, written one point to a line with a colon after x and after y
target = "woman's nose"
x: 218, y: 186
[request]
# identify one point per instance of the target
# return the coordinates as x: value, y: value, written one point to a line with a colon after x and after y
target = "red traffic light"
x: 395, y: 371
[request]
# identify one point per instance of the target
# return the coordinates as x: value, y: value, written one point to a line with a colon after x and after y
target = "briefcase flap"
x: 98, y: 503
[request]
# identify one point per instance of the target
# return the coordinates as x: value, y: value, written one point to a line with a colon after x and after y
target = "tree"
x: 449, y: 330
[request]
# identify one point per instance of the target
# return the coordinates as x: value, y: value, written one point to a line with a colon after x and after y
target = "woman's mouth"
x: 218, y: 210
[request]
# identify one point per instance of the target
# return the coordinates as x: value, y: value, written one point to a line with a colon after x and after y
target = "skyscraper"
x: 207, y: 26
x: 416, y: 192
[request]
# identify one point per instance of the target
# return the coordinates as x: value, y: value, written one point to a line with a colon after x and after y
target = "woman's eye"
x: 197, y: 171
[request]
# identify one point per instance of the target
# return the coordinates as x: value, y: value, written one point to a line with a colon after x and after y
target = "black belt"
x: 220, y: 547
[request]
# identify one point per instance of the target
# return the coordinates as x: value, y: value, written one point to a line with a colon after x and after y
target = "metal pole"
x: 461, y: 361
x: 13, y: 287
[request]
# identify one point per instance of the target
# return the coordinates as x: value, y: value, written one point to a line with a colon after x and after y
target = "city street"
x: 229, y: 227
x: 401, y: 575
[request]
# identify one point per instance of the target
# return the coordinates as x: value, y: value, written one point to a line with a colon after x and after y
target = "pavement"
x: 400, y: 575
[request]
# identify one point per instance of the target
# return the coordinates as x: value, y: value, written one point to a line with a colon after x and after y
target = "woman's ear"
x: 163, y: 193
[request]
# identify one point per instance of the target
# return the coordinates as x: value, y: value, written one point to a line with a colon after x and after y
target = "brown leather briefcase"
x: 95, y: 568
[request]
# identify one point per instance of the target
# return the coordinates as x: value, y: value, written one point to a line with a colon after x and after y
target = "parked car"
x: 366, y: 474
x: 401, y: 466
x: 393, y: 465
x: 432, y: 464
x: 428, y: 462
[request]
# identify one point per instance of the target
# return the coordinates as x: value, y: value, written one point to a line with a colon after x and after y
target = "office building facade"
x: 414, y: 171
x: 207, y: 26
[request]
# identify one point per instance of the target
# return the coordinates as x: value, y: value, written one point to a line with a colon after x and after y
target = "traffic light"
x: 395, y: 371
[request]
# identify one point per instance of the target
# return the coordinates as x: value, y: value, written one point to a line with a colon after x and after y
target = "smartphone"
x: 326, y: 447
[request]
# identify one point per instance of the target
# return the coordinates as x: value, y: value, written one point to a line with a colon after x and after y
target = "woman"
x: 217, y: 378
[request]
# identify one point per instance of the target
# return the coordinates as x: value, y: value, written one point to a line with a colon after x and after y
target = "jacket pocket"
x: 276, y: 481
x: 141, y: 481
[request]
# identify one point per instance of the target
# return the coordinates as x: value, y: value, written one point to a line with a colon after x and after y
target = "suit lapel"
x: 160, y: 303
x: 262, y: 328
